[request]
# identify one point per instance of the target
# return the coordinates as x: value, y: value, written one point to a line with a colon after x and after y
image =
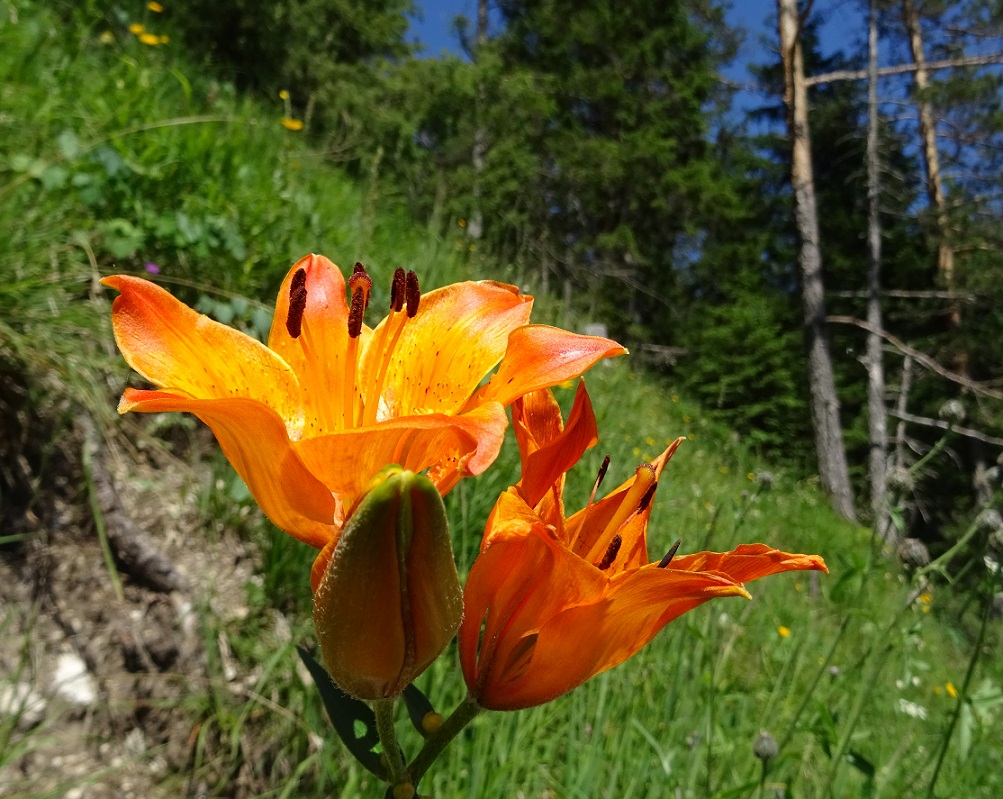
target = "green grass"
x: 113, y: 155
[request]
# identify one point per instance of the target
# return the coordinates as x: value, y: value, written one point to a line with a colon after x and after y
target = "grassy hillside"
x: 120, y: 156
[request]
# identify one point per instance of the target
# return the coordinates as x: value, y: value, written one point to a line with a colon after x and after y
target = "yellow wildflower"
x: 155, y: 7
x: 136, y: 29
x: 784, y: 632
x: 283, y: 95
x: 164, y: 38
x: 292, y: 124
x: 949, y: 687
x: 106, y: 38
x: 149, y: 38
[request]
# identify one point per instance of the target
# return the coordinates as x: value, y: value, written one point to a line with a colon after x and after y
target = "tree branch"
x: 919, y: 357
x: 901, y: 69
x: 942, y: 425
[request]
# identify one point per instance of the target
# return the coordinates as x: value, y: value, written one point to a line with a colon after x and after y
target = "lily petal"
x: 254, y: 440
x: 748, y: 562
x: 539, y: 356
x: 548, y: 447
x: 458, y: 336
x: 346, y: 461
x: 177, y: 348
x: 602, y: 622
x: 319, y: 353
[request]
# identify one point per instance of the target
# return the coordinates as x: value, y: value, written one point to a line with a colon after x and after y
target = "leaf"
x: 966, y: 724
x: 55, y: 177
x: 346, y: 713
x: 861, y: 764
x: 120, y: 237
x: 417, y: 705
x: 69, y: 144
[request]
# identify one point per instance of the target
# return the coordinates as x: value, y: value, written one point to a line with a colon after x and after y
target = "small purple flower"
x: 152, y: 268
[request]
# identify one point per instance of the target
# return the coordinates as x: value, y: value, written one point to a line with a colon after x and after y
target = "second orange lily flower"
x: 308, y: 420
x: 553, y: 600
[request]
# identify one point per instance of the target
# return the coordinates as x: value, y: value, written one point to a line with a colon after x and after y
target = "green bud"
x: 390, y: 599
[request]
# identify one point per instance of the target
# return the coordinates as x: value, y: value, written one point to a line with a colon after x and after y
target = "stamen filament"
x: 391, y: 328
x: 643, y: 481
x: 573, y: 541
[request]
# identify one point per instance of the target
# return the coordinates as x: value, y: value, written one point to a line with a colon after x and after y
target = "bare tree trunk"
x: 935, y: 192
x: 475, y: 226
x: 877, y: 413
x: 931, y: 156
x: 829, y: 448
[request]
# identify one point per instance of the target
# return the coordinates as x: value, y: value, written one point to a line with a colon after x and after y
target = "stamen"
x: 599, y: 478
x: 670, y: 554
x: 643, y: 481
x: 389, y: 335
x: 360, y: 284
x: 356, y: 314
x: 646, y: 499
x: 297, y: 303
x: 610, y: 555
x: 397, y: 289
x: 413, y: 294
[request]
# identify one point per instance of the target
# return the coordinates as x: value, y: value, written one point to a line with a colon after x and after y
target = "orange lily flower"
x: 552, y: 601
x: 308, y: 420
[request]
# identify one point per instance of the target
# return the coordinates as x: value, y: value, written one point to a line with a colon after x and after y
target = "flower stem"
x: 940, y: 563
x: 963, y: 695
x: 458, y: 719
x: 384, y: 710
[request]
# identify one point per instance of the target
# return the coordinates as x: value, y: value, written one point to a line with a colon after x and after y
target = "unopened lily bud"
x: 389, y: 600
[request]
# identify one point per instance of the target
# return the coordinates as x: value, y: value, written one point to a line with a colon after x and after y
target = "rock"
x: 73, y: 682
x: 22, y: 702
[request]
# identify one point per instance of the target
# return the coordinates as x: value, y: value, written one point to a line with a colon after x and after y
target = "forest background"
x: 839, y: 313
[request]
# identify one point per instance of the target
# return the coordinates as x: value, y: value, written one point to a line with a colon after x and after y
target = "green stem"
x: 963, y: 696
x: 822, y: 669
x: 943, y: 560
x: 384, y: 711
x: 435, y: 743
x: 934, y: 450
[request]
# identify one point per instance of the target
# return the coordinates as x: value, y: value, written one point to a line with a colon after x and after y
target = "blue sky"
x: 845, y: 19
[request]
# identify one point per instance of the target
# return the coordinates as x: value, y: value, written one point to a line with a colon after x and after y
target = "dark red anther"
x: 297, y: 303
x: 413, y: 294
x: 356, y: 314
x: 397, y: 289
x: 611, y: 550
x: 670, y: 554
x: 646, y: 498
x: 360, y: 281
x: 602, y: 472
x: 360, y: 284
